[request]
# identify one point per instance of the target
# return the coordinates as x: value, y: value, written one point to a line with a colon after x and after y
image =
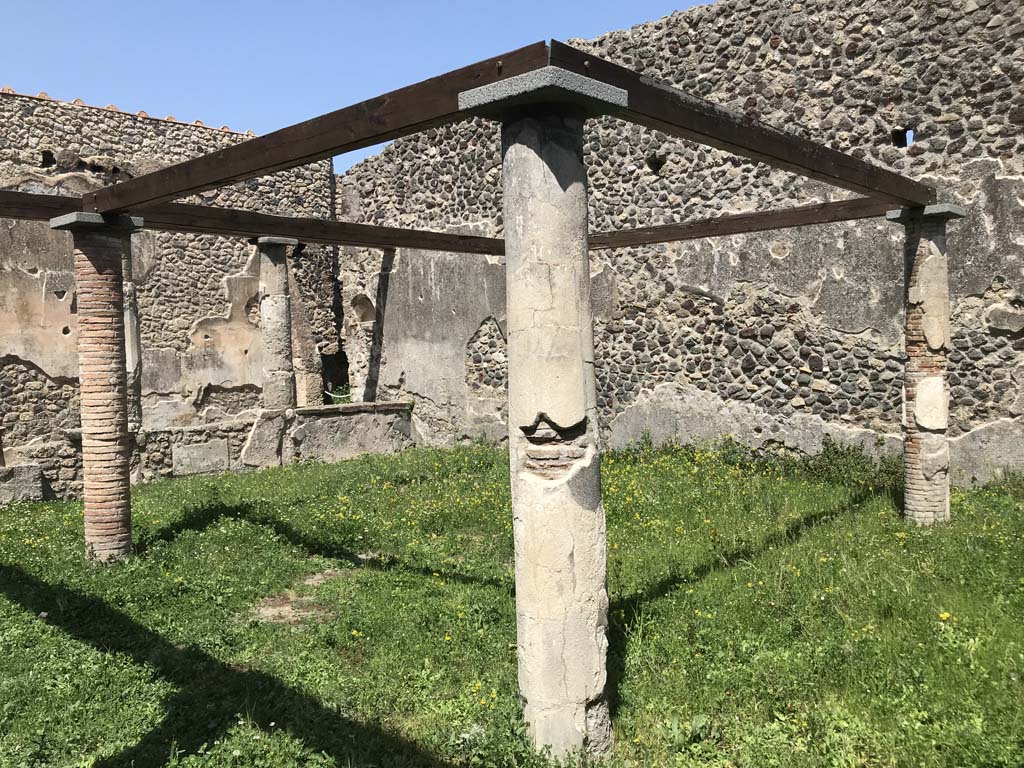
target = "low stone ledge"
x: 397, y: 406
x: 239, y: 424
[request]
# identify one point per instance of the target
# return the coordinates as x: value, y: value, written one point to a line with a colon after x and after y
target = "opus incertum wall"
x: 194, y: 347
x: 787, y: 337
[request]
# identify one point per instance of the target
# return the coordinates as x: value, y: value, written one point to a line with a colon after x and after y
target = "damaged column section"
x: 100, y: 245
x: 264, y: 446
x: 925, y: 390
x: 558, y: 518
x: 275, y: 322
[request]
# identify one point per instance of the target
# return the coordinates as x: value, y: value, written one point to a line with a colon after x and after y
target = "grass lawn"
x: 362, y: 614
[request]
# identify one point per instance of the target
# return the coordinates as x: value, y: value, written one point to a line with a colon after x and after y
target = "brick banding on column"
x: 925, y: 389
x: 99, y: 247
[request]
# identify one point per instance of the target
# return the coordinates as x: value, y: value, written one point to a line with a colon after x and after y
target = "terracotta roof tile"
x: 6, y: 89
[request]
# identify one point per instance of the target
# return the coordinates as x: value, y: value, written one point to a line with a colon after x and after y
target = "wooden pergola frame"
x: 562, y: 599
x: 435, y: 102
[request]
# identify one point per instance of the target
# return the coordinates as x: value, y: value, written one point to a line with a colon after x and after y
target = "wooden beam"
x: 657, y: 105
x: 758, y: 221
x: 24, y: 205
x: 415, y: 108
x: 230, y: 222
x: 177, y: 217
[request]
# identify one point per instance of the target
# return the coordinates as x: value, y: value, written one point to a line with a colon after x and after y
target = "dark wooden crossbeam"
x: 758, y: 221
x: 24, y: 205
x: 415, y: 108
x: 230, y: 222
x: 434, y: 102
x: 177, y: 217
x: 657, y: 105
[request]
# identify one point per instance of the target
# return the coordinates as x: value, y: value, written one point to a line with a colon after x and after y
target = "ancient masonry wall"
x: 198, y: 317
x: 785, y: 337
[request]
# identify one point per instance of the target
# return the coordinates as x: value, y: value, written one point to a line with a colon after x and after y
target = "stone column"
x: 558, y: 519
x: 377, y: 336
x: 99, y: 246
x: 133, y: 345
x: 275, y: 322
x: 925, y: 391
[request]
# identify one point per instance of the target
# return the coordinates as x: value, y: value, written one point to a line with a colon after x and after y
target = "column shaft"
x: 106, y: 444
x: 559, y: 524
x: 926, y: 393
x: 276, y: 324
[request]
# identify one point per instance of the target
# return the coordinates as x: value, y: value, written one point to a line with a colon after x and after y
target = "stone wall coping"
x: 245, y: 422
x: 242, y: 422
x: 396, y: 406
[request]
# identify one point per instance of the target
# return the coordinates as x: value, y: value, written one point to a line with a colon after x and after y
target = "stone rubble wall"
x: 197, y: 294
x: 794, y: 327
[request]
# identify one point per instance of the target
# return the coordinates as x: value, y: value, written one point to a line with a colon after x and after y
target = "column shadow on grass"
x: 212, y: 693
x: 618, y: 638
x: 201, y: 518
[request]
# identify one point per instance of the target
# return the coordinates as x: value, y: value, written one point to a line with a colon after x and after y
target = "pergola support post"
x: 925, y: 389
x: 558, y: 518
x: 276, y: 323
x: 100, y: 244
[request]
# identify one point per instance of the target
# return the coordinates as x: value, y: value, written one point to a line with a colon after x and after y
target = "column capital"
x: 547, y: 85
x: 83, y: 220
x: 274, y: 240
x: 942, y: 211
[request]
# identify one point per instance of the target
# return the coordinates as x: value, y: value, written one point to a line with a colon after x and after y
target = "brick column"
x: 99, y: 246
x: 925, y: 391
x: 275, y: 322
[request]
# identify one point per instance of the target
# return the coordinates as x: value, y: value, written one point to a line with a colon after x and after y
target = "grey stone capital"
x: 274, y: 240
x: 944, y: 211
x: 548, y: 85
x: 81, y: 220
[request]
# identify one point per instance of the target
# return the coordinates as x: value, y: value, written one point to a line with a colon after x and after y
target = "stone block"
x: 263, y: 448
x: 201, y: 458
x: 986, y: 452
x: 22, y: 482
x: 931, y: 405
x: 1006, y: 318
x: 335, y: 438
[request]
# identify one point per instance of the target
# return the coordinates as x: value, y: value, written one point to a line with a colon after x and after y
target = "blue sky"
x: 261, y: 65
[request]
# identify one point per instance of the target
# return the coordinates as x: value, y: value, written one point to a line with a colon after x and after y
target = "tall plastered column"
x: 559, y: 524
x: 275, y: 322
x: 99, y: 246
x: 925, y: 389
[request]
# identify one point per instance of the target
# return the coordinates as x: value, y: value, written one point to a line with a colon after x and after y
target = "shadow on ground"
x: 211, y: 693
x: 201, y: 518
x: 624, y: 611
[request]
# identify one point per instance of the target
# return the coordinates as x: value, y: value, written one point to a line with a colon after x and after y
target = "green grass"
x: 764, y: 613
